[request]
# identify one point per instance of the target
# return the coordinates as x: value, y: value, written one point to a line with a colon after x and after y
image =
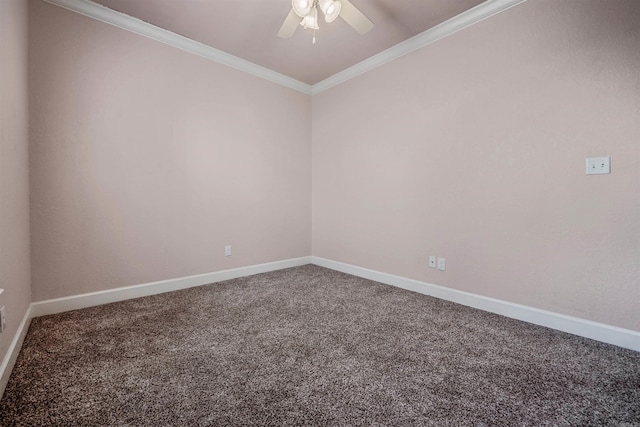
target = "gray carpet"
x: 311, y: 346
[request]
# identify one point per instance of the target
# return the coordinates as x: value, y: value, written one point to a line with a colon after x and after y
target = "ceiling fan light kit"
x: 331, y: 9
x: 305, y: 13
x: 310, y: 21
x: 302, y: 7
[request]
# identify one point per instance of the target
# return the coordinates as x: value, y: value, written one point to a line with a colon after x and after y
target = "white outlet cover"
x: 598, y: 165
x: 442, y: 264
x: 227, y: 250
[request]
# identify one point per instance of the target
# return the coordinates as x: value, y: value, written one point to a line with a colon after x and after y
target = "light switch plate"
x: 432, y: 261
x: 598, y: 165
x: 3, y: 319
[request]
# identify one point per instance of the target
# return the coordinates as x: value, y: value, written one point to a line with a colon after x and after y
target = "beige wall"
x: 473, y: 149
x: 14, y: 172
x: 146, y: 161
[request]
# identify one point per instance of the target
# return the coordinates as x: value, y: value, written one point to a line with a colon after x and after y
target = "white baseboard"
x: 76, y: 302
x: 13, y: 351
x: 625, y: 338
x: 621, y: 337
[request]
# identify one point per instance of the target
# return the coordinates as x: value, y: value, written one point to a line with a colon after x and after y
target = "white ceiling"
x: 247, y: 29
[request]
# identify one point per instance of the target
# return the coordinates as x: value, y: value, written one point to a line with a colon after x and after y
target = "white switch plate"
x: 598, y: 165
x: 227, y: 250
x: 3, y: 319
x: 432, y: 261
x: 442, y: 264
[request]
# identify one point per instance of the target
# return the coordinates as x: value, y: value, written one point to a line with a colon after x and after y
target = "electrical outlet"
x: 227, y: 250
x: 3, y: 319
x: 598, y: 165
x: 442, y: 264
x: 432, y: 261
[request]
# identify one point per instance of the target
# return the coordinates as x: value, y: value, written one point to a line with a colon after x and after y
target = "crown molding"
x: 465, y: 19
x: 476, y: 14
x: 129, y: 23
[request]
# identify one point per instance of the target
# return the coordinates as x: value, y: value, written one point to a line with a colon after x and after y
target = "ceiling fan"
x: 305, y: 14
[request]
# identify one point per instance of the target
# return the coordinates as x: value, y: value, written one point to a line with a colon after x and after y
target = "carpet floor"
x: 311, y: 346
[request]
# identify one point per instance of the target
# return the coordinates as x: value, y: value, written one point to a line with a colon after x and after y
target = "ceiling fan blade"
x: 355, y: 18
x: 289, y: 25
